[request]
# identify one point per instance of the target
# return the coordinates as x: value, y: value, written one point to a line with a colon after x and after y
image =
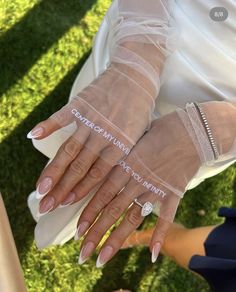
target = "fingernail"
x: 46, y: 206
x: 35, y: 133
x: 86, y: 252
x: 104, y: 255
x: 68, y: 201
x: 155, y: 251
x: 81, y: 230
x: 43, y: 188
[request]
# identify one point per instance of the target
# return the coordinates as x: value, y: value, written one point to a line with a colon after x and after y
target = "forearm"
x: 221, y: 117
x: 141, y: 38
x: 181, y: 243
x: 212, y: 128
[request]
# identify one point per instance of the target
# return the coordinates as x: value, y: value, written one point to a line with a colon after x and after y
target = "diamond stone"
x: 147, y: 209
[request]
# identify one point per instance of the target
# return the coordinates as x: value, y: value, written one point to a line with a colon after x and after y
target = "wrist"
x: 137, y: 78
x: 221, y: 118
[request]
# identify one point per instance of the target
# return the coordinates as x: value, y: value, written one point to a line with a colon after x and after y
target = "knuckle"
x: 161, y: 234
x: 61, y: 117
x: 89, y: 212
x: 71, y: 148
x: 55, y: 168
x: 96, y: 173
x: 96, y: 232
x: 62, y: 189
x: 95, y: 208
x: 113, y: 211
x: 134, y: 217
x: 106, y: 197
x: 78, y: 166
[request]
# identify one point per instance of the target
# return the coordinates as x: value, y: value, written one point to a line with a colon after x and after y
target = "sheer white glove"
x: 112, y: 113
x: 158, y: 170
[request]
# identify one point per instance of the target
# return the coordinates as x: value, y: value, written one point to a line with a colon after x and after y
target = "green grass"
x: 43, y: 45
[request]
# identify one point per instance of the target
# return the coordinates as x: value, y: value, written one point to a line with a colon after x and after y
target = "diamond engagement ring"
x: 146, y: 208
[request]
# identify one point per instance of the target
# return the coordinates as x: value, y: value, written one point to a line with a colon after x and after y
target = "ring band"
x: 147, y: 207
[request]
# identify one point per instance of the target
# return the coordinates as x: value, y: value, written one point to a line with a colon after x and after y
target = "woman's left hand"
x: 157, y: 170
x: 108, y: 120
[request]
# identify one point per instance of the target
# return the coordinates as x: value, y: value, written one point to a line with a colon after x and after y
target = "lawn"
x: 43, y: 45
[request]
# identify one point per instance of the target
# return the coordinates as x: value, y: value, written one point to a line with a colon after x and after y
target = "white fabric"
x: 201, y: 69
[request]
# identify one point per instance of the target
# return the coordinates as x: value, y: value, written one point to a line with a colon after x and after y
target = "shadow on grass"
x: 122, y: 279
x: 21, y: 164
x: 23, y: 44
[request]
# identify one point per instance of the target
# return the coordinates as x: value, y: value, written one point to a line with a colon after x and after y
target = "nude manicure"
x: 43, y: 188
x: 35, y: 133
x: 155, y: 251
x: 81, y: 230
x: 85, y: 252
x: 68, y: 200
x: 104, y: 256
x: 46, y: 205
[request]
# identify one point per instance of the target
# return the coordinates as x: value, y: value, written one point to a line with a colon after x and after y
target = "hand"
x: 109, y: 116
x: 167, y: 157
x: 157, y: 170
x: 112, y: 113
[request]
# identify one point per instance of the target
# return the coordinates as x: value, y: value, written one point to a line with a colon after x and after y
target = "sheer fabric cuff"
x: 142, y: 36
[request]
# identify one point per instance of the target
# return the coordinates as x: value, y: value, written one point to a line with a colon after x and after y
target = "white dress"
x: 201, y: 69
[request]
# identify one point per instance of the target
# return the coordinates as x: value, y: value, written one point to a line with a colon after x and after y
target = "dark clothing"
x: 218, y: 267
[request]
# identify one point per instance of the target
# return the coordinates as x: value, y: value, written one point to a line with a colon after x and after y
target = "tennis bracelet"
x: 208, y: 130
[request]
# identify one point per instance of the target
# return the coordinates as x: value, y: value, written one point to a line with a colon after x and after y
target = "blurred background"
x: 43, y: 45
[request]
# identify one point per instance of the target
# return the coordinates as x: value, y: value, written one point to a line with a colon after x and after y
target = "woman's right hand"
x: 158, y: 170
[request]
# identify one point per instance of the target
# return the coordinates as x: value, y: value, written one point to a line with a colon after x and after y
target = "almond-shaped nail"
x: 85, y: 252
x: 104, y: 256
x: 68, y: 200
x: 46, y: 205
x: 43, y: 188
x: 81, y: 230
x: 155, y: 251
x: 35, y: 133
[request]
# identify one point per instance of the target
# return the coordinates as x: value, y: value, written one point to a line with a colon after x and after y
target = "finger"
x: 56, y: 168
x: 99, y: 170
x: 158, y: 237
x: 96, y: 173
x: 114, y: 242
x: 74, y: 173
x: 43, y: 129
x: 61, y: 118
x: 105, y: 194
x: 109, y: 216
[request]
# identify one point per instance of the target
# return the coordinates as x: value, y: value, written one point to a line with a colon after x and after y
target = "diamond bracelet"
x: 208, y: 130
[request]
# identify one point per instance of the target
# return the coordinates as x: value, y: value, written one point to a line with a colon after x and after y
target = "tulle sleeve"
x: 142, y: 35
